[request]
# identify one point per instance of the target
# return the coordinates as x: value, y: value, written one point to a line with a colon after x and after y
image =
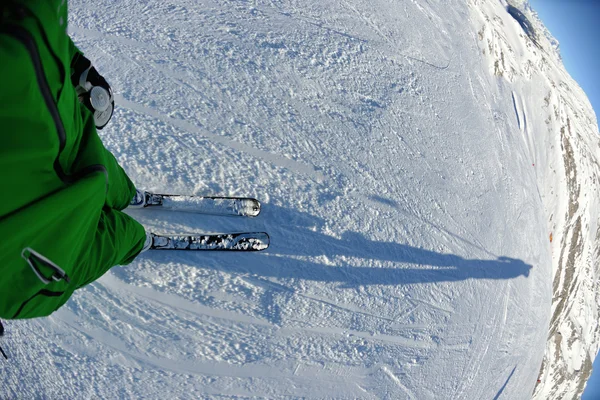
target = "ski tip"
x: 252, y: 241
x: 264, y: 241
x: 250, y: 207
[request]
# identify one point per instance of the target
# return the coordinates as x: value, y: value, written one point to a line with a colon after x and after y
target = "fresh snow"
x: 412, y: 159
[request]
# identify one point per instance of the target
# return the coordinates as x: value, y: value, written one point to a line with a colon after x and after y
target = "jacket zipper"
x: 27, y: 40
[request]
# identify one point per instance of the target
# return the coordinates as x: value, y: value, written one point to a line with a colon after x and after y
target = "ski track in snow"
x: 392, y: 179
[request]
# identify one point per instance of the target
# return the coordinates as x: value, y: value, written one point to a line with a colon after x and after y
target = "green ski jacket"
x: 61, y: 191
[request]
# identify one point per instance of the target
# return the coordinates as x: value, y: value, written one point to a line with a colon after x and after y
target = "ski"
x: 245, y: 241
x: 232, y: 206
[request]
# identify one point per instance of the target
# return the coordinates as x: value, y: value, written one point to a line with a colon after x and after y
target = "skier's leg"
x: 120, y: 188
x: 119, y: 239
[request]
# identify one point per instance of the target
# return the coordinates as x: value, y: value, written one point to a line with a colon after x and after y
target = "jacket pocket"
x: 44, y: 298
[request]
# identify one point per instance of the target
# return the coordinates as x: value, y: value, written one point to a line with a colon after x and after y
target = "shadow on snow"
x: 383, y: 263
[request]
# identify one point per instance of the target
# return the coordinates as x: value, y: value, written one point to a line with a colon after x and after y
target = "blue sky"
x: 592, y: 390
x: 576, y: 25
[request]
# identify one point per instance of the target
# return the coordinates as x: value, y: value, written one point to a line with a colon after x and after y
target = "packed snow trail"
x: 409, y: 254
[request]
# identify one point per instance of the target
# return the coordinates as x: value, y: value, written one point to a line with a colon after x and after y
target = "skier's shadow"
x: 296, y: 235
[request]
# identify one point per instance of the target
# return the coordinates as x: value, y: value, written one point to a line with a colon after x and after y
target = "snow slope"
x: 407, y: 187
x: 568, y: 129
x: 561, y: 126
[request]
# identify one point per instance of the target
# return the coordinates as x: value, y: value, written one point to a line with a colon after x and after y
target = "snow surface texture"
x: 409, y: 187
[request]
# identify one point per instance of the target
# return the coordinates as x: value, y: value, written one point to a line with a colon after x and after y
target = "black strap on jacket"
x: 2, y: 333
